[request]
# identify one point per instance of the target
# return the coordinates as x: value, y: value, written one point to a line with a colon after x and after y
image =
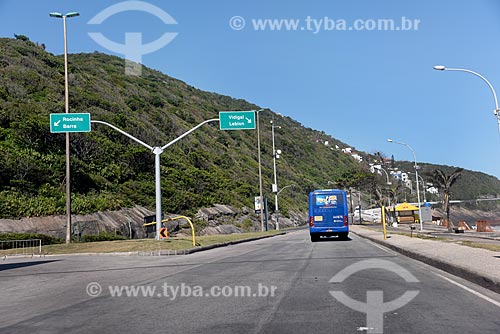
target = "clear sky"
x: 331, y: 68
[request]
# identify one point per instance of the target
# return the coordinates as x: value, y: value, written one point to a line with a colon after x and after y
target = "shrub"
x: 103, y: 236
x: 46, y: 239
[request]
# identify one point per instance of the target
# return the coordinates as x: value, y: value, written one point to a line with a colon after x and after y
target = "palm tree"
x: 445, y: 182
x: 394, y: 191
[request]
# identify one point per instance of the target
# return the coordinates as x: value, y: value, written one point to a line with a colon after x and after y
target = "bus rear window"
x: 328, y: 201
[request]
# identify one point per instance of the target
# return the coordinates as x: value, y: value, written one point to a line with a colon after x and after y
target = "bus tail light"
x: 311, y: 221
x: 346, y: 221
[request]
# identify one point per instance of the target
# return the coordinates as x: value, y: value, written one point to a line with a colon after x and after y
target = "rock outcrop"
x: 219, y: 219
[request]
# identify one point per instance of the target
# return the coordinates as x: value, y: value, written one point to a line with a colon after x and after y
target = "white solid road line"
x: 385, y: 249
x: 480, y: 295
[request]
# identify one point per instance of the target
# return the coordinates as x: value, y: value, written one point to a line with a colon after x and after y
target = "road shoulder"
x: 479, y: 266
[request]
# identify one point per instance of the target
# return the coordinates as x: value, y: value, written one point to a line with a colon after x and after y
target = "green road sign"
x: 237, y: 120
x: 69, y: 122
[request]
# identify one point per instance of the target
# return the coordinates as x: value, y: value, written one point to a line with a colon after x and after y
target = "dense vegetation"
x: 470, y: 186
x: 110, y: 171
x: 46, y: 239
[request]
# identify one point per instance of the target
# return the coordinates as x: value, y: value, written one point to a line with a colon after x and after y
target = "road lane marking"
x: 480, y: 295
x: 385, y: 249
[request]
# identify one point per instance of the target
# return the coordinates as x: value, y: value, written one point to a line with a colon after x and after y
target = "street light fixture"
x: 261, y: 198
x: 379, y: 167
x: 288, y: 186
x: 276, y: 154
x: 66, y: 107
x: 496, y: 112
x: 416, y: 178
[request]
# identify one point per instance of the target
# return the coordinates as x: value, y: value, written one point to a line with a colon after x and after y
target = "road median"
x: 147, y: 247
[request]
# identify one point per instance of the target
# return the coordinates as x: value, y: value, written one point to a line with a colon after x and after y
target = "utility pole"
x: 66, y: 107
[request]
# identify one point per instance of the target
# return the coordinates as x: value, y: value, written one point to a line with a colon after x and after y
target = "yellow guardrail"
x: 384, y: 222
x: 175, y: 218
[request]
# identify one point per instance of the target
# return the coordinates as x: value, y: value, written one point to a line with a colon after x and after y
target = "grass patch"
x: 474, y: 244
x: 422, y: 236
x: 46, y: 239
x: 491, y: 247
x: 144, y: 245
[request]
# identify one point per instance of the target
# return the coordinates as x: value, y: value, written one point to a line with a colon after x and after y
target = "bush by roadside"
x: 104, y: 236
x: 46, y: 239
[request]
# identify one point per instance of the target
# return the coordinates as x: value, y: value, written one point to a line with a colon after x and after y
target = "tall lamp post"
x: 66, y: 107
x: 416, y: 178
x: 261, y: 198
x: 379, y: 167
x: 276, y: 155
x: 496, y: 112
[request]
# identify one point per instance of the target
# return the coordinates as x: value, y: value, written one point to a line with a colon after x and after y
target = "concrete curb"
x: 472, y: 276
x: 204, y: 248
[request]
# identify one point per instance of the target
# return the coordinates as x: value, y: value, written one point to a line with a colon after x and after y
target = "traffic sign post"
x: 71, y: 122
x: 163, y: 233
x: 237, y: 120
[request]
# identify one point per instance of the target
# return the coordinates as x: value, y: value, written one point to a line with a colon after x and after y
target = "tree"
x: 22, y: 37
x: 394, y: 190
x: 444, y: 183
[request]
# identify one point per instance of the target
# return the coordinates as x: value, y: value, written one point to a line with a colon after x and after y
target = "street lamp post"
x: 496, y: 112
x: 386, y: 175
x: 66, y: 107
x: 416, y: 178
x: 276, y: 154
x: 379, y: 167
x: 261, y: 199
x: 157, y: 150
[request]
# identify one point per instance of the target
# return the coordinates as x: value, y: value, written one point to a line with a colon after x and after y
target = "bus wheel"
x: 314, y: 238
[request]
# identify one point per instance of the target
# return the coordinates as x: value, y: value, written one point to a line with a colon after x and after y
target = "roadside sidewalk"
x: 477, y: 265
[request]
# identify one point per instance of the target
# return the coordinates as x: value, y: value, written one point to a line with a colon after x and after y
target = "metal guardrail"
x: 21, y: 247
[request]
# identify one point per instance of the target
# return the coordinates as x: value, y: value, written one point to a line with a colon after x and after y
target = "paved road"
x: 290, y: 292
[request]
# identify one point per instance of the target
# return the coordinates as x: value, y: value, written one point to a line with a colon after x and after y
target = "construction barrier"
x: 483, y: 226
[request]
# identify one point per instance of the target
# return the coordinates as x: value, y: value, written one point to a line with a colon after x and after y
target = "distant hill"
x: 110, y: 171
x: 471, y: 185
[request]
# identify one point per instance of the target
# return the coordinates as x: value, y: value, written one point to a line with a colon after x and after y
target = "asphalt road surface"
x: 284, y: 284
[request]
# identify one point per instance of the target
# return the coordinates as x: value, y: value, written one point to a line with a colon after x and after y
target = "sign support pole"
x: 157, y: 151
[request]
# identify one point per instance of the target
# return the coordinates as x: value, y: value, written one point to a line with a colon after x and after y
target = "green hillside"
x: 470, y: 186
x: 110, y: 171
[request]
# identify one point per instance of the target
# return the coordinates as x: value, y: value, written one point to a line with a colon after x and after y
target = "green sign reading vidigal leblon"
x: 237, y: 120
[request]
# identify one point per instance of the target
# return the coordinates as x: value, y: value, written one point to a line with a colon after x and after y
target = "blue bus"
x: 328, y: 214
